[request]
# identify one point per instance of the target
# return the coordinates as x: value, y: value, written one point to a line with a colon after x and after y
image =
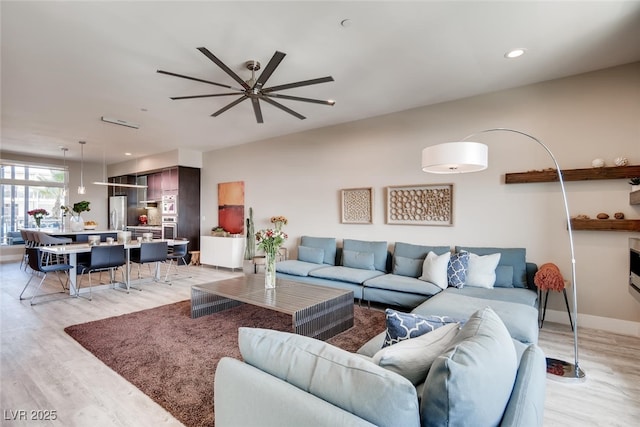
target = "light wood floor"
x: 42, y: 368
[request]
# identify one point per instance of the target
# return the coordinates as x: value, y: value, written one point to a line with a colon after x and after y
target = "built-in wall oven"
x: 169, y: 226
x: 634, y: 265
x: 169, y: 204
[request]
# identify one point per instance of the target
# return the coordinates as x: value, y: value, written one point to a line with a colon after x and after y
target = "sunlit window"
x: 26, y: 187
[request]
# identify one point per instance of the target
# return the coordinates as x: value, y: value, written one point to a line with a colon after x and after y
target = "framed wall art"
x: 357, y: 205
x: 420, y: 204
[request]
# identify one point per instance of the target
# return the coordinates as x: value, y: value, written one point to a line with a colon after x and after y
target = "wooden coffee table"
x: 316, y: 311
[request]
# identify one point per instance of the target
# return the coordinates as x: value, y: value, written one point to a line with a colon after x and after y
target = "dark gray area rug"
x: 172, y: 358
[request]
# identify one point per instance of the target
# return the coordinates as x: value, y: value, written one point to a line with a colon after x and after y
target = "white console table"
x: 222, y: 251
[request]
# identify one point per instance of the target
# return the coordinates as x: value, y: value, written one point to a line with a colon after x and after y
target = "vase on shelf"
x: 76, y: 223
x: 37, y: 220
x: 270, y: 271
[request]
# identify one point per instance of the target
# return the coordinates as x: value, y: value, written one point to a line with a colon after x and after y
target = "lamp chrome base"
x: 560, y: 370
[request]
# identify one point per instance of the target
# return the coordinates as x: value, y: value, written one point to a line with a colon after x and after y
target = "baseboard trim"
x: 618, y: 326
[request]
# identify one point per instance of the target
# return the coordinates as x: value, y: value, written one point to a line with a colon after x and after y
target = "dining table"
x: 71, y: 250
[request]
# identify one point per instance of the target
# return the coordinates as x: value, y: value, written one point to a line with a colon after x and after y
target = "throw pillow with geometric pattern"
x: 457, y: 269
x: 402, y: 326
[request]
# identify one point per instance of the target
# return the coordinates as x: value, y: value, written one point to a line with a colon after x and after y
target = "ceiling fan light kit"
x: 254, y: 88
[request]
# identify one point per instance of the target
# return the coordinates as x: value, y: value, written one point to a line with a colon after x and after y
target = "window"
x: 29, y: 186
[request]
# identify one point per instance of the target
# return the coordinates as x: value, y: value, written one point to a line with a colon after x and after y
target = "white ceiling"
x: 67, y: 64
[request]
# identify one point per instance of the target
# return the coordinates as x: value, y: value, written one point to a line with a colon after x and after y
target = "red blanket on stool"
x: 548, y: 277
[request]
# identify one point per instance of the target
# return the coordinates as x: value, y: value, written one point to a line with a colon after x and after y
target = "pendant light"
x: 105, y: 182
x: 81, y: 189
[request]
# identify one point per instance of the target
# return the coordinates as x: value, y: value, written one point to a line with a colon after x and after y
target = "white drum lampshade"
x: 455, y: 157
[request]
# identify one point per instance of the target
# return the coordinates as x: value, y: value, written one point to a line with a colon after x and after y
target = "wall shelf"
x: 606, y: 224
x: 586, y: 174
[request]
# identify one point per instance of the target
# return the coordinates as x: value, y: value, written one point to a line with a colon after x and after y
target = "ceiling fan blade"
x: 275, y: 60
x: 283, y: 108
x: 195, y: 79
x: 256, y: 109
x: 203, y: 96
x: 221, y: 64
x: 298, y: 84
x: 233, y: 104
x: 297, y: 98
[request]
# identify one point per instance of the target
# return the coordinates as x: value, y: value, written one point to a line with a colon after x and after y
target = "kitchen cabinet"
x: 138, y: 231
x: 222, y: 251
x: 182, y: 181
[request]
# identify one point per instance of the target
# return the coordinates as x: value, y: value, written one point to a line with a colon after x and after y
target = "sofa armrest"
x: 247, y: 396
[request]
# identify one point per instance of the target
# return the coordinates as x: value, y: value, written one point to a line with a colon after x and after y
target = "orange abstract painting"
x: 231, y: 206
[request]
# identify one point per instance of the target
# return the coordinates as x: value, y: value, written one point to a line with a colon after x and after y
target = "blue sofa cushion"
x: 515, y: 257
x: 354, y: 259
x: 379, y: 250
x: 504, y: 276
x: 521, y: 320
x: 345, y: 274
x: 397, y: 283
x: 457, y: 269
x: 297, y: 268
x: 409, y: 267
x: 343, y: 379
x: 409, y: 250
x: 473, y: 379
x: 309, y: 254
x: 408, y: 258
x: 403, y: 326
x: 528, y: 392
x: 517, y: 295
x: 327, y: 244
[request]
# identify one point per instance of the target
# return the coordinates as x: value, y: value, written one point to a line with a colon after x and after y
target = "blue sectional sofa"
x: 374, y: 274
x: 490, y: 373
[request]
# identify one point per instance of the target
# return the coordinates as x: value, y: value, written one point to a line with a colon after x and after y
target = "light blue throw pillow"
x: 410, y: 267
x: 327, y: 244
x: 402, y: 326
x: 359, y: 260
x: 504, y: 276
x: 379, y: 250
x: 457, y: 269
x: 472, y: 380
x: 308, y: 254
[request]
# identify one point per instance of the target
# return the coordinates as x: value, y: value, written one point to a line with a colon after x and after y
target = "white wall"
x: 580, y: 118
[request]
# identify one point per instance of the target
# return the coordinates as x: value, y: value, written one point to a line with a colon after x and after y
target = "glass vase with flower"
x: 37, y: 215
x: 76, y: 222
x: 270, y: 240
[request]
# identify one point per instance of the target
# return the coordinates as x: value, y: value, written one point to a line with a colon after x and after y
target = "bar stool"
x: 548, y: 278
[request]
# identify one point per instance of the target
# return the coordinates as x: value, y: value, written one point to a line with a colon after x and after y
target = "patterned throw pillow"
x: 402, y: 326
x: 457, y: 269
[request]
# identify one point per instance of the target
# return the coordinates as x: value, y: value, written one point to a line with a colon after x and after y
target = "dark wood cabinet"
x: 182, y: 181
x: 188, y: 190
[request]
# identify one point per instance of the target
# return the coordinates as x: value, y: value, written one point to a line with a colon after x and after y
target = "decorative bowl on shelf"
x: 90, y: 225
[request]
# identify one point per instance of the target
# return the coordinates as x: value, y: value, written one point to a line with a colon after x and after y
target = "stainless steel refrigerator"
x: 117, y: 212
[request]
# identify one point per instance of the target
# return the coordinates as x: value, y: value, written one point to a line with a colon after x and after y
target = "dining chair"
x: 147, y: 253
x: 176, y: 253
x: 39, y: 268
x: 103, y: 258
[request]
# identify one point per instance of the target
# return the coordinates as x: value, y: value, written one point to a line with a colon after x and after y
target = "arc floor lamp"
x: 466, y: 156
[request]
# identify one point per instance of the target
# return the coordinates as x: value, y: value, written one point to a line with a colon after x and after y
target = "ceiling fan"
x: 254, y: 89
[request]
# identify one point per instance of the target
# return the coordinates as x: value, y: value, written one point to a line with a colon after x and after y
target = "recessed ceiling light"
x: 515, y: 53
x: 346, y: 23
x: 127, y: 154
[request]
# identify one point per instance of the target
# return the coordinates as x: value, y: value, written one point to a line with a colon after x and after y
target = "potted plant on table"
x: 270, y: 240
x: 37, y: 215
x: 76, y: 221
x: 635, y: 183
